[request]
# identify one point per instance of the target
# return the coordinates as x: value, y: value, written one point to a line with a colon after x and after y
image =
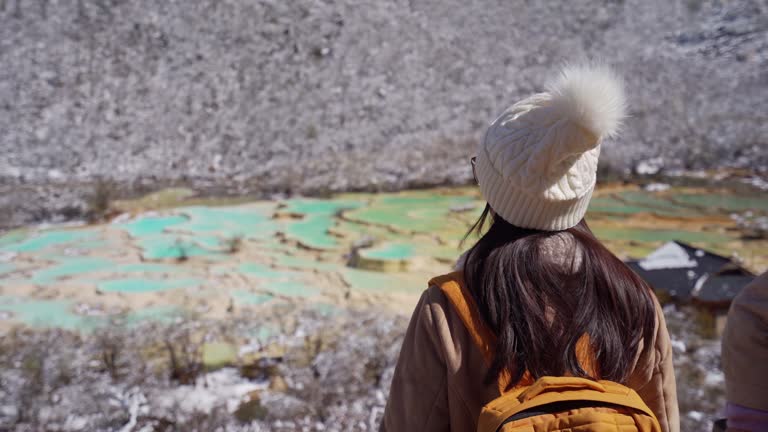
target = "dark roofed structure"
x: 676, y: 268
x: 722, y: 288
x: 708, y: 262
x: 675, y: 283
x: 685, y: 274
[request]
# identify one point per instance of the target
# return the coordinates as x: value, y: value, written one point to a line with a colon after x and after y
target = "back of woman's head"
x: 540, y: 292
x: 542, y: 281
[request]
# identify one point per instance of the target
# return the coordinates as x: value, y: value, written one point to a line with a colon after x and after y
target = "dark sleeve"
x: 418, y: 400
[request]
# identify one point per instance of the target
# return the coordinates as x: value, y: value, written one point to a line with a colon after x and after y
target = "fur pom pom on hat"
x: 537, y: 162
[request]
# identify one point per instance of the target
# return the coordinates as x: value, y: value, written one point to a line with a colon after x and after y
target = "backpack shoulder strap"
x: 452, y: 285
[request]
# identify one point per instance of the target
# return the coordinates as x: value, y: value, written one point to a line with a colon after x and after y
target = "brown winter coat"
x: 745, y: 347
x: 438, y: 381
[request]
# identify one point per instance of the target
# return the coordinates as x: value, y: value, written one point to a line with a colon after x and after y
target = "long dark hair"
x: 539, y: 308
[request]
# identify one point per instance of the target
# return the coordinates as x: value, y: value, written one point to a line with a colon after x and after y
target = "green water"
x: 429, y: 246
x: 280, y: 282
x: 252, y: 221
x: 613, y: 205
x: 12, y: 237
x: 59, y: 314
x: 371, y: 281
x: 166, y: 247
x: 146, y: 268
x: 150, y: 225
x: 390, y: 251
x: 359, y: 229
x: 642, y: 235
x: 158, y: 241
x: 46, y: 313
x: 410, y: 213
x: 727, y: 203
x: 421, y: 199
x: 6, y: 268
x: 440, y: 212
x: 138, y: 285
x: 312, y: 232
x: 47, y: 239
x: 210, y: 242
x: 69, y: 267
x: 655, y: 204
x: 247, y: 298
x: 318, y: 217
x: 353, y: 231
x: 199, y: 231
x: 319, y: 207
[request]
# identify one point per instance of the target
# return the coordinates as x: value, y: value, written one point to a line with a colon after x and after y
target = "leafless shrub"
x: 112, y: 351
x: 99, y: 199
x: 184, y: 356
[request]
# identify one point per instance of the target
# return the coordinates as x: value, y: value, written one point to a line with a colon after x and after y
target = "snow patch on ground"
x: 225, y: 386
x: 657, y: 187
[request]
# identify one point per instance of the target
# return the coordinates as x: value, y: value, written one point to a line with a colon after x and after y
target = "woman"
x: 558, y: 302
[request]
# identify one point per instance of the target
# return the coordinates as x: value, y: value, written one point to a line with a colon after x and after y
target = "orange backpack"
x: 548, y: 404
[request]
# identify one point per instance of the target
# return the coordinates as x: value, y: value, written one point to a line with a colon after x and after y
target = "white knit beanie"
x: 537, y: 163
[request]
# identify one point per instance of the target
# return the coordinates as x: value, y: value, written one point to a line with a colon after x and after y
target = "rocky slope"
x: 312, y: 96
